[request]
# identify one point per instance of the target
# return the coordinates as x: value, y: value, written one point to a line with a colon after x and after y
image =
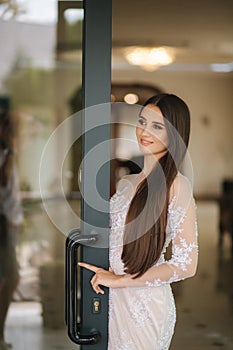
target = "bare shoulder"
x: 125, y: 180
x: 181, y: 186
x: 182, y: 181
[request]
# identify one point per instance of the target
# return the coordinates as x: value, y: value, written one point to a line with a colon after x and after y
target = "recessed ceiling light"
x: 131, y: 98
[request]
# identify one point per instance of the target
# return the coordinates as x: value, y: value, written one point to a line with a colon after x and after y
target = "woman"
x: 148, y: 211
x: 11, y: 218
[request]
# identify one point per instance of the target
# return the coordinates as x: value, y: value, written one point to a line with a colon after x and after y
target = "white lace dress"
x: 143, y: 317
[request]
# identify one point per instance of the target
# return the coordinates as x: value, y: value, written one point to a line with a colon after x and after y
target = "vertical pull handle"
x: 74, y: 240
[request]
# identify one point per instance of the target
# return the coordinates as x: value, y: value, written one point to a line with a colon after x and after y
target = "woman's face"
x: 151, y: 131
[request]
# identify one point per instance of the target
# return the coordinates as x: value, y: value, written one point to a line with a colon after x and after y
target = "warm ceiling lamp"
x: 131, y: 98
x: 149, y: 58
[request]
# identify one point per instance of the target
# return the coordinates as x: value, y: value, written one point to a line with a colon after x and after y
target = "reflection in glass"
x: 40, y: 70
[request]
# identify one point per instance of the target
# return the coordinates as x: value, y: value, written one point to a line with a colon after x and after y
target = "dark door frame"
x: 97, y: 40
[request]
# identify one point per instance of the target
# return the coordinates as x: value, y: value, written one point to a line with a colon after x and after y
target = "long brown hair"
x: 146, y: 220
x: 6, y: 145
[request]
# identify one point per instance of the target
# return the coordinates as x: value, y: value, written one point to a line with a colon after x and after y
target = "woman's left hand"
x: 102, y: 277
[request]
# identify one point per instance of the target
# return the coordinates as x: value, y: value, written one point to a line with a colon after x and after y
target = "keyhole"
x: 96, y: 306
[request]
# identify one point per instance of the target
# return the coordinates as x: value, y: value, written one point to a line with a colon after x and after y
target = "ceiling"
x: 200, y: 31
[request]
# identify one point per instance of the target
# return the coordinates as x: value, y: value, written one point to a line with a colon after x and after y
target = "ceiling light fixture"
x: 149, y: 58
x: 131, y: 98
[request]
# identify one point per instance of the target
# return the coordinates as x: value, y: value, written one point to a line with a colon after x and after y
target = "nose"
x: 145, y: 131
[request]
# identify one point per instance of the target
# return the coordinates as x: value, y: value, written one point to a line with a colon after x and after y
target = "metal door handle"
x: 73, y: 242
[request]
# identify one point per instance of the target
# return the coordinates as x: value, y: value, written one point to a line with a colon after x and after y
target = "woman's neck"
x: 150, y: 160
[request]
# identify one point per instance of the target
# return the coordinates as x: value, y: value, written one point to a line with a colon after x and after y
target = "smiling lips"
x: 146, y: 142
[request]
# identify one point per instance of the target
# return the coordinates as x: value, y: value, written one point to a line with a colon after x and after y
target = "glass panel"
x: 40, y: 88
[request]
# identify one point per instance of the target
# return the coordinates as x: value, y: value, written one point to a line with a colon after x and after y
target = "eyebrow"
x: 158, y: 123
x: 154, y: 122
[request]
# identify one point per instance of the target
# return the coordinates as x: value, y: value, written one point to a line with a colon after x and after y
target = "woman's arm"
x: 183, y: 262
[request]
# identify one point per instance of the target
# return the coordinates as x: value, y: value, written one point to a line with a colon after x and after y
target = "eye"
x: 141, y: 121
x: 157, y: 127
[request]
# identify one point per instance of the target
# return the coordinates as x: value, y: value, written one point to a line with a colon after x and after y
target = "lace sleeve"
x: 182, y: 228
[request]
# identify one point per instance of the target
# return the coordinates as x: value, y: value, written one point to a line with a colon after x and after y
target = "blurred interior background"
x: 181, y: 47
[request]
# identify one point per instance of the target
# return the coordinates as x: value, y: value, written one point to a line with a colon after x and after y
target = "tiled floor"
x: 25, y: 330
x: 204, y: 303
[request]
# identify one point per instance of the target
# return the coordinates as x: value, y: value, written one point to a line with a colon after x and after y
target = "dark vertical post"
x: 97, y: 36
